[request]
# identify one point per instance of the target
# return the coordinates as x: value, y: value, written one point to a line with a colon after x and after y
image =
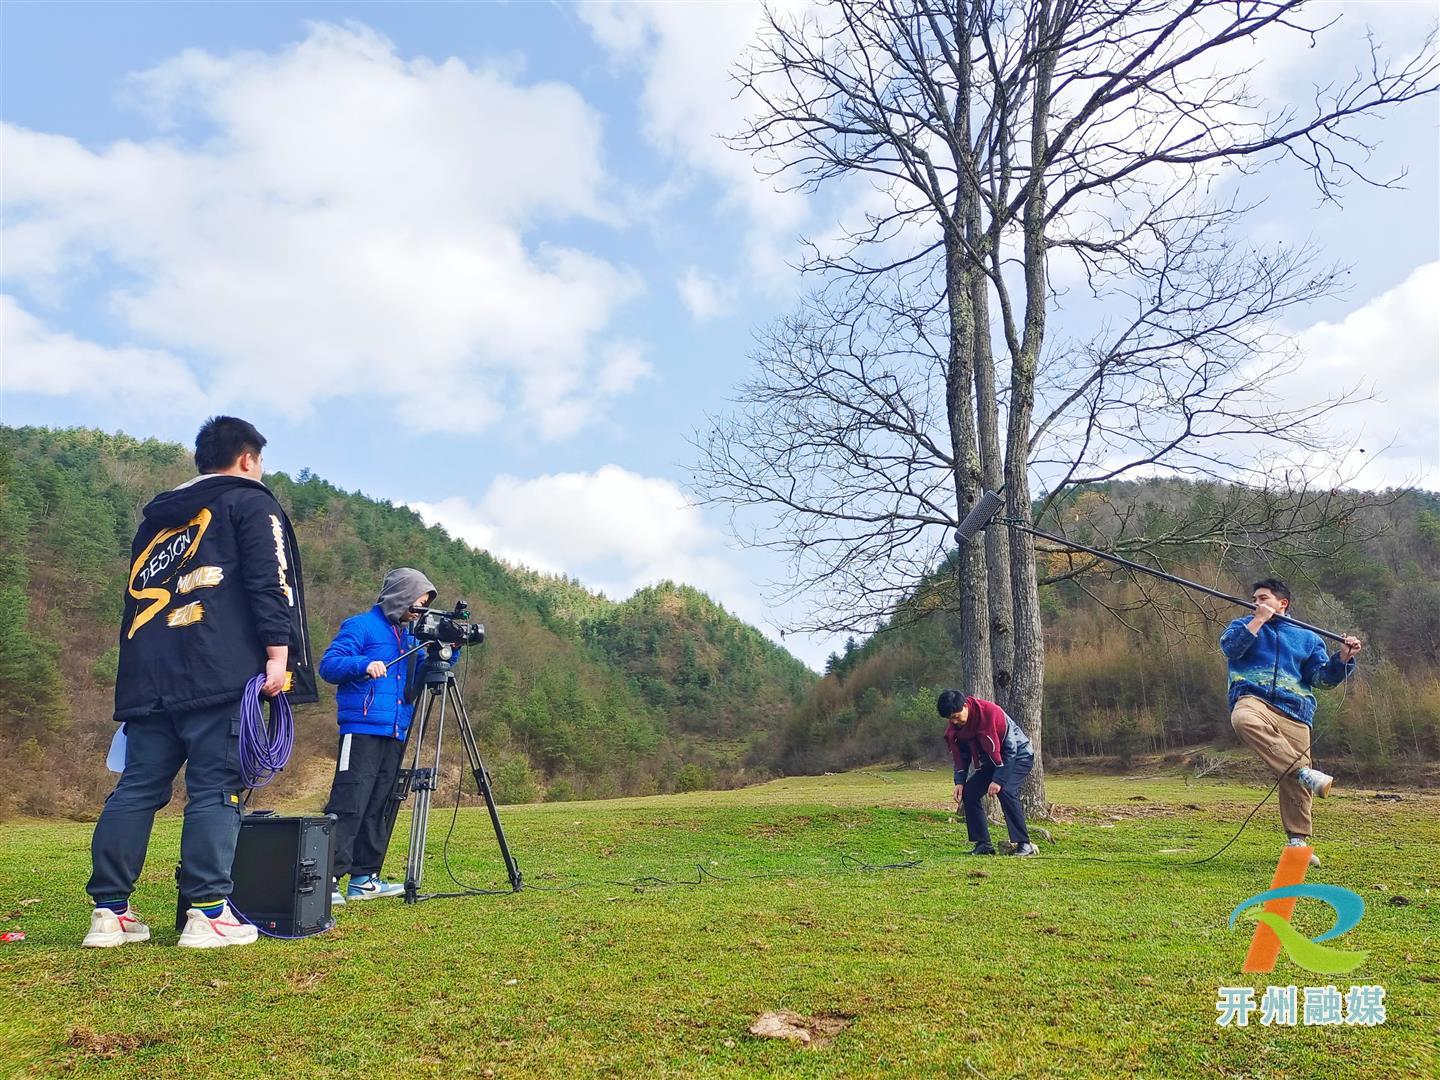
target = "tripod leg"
x: 415, y: 856
x: 422, y: 782
x: 400, y: 790
x: 482, y: 783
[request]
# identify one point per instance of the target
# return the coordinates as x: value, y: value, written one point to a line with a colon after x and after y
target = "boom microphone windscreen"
x: 985, y: 509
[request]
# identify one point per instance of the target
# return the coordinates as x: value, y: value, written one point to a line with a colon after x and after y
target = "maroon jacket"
x: 988, y: 733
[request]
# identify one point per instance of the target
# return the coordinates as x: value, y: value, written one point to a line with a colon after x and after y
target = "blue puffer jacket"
x: 367, y: 706
x: 1281, y: 665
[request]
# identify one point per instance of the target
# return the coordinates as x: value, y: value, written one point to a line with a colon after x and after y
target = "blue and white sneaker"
x: 1315, y: 781
x: 337, y: 898
x: 371, y: 887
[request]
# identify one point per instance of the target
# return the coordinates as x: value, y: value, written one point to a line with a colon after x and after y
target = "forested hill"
x: 573, y: 694
x: 1124, y: 678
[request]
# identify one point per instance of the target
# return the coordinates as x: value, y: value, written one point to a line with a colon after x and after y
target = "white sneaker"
x: 202, y: 932
x: 1315, y: 781
x: 108, y: 929
x: 337, y: 898
x: 371, y: 887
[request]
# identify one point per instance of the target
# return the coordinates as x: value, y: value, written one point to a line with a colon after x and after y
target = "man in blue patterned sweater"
x: 1275, y: 667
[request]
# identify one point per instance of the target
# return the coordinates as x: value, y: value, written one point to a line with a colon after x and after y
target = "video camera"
x: 447, y: 627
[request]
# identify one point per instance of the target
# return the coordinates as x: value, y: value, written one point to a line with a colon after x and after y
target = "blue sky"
x: 493, y: 261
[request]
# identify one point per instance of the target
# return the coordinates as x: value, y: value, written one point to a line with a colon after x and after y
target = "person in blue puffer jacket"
x: 374, y: 703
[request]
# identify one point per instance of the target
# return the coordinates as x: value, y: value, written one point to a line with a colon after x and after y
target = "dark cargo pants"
x: 365, y: 770
x: 206, y: 742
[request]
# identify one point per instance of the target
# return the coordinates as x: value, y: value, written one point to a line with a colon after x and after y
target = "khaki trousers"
x: 1284, y: 745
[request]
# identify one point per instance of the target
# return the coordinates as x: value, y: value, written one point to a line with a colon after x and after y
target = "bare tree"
x: 997, y: 136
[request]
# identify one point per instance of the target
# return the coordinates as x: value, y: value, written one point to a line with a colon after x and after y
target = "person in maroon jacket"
x: 980, y: 733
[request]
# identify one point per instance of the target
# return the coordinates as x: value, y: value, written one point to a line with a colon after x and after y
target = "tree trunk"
x: 992, y: 464
x: 974, y: 640
x: 1027, y: 688
x: 977, y: 580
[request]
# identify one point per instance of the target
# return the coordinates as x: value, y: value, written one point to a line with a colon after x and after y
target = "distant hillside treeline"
x: 1156, y: 680
x: 576, y: 695
x: 572, y: 695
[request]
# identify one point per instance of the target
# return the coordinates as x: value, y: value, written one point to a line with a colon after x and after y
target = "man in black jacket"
x: 214, y: 598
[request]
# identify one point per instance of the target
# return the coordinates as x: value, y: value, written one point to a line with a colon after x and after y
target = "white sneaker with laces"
x: 1315, y: 781
x: 371, y: 887
x: 203, y: 932
x: 107, y: 929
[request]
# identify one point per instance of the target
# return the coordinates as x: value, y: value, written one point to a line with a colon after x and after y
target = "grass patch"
x: 1058, y: 966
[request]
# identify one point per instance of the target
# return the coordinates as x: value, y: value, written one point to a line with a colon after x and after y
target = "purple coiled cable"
x: 264, y: 748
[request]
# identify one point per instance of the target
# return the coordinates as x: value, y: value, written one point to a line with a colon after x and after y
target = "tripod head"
x: 437, y: 666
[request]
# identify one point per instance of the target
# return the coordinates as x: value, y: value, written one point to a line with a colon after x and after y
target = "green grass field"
x: 995, y: 967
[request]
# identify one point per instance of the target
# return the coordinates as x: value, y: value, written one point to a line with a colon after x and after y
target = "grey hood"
x: 402, y: 585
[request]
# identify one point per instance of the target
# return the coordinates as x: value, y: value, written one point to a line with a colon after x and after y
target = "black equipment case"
x: 282, y: 874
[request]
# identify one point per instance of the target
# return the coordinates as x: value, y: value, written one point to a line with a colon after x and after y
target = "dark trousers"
x: 365, y: 768
x: 206, y: 742
x: 974, y: 791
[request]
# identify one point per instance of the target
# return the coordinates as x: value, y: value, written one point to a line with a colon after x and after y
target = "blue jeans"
x: 206, y: 742
x: 974, y: 790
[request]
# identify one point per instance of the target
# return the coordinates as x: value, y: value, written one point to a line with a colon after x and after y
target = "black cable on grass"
x: 703, y: 875
x: 530, y: 885
x: 1150, y: 860
x: 650, y: 881
x: 869, y: 868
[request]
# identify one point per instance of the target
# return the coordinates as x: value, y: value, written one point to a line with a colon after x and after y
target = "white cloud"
x: 38, y: 360
x: 1371, y: 379
x: 633, y: 529
x: 686, y: 54
x: 1291, y: 63
x: 350, y: 223
x: 617, y: 531
x: 1390, y: 346
x: 704, y: 296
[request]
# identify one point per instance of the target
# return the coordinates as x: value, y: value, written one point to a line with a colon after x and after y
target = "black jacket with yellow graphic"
x: 214, y: 579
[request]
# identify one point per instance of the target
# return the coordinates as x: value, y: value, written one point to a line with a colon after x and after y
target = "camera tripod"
x: 422, y: 778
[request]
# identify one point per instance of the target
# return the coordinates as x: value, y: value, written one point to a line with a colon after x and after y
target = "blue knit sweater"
x: 1280, y: 665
